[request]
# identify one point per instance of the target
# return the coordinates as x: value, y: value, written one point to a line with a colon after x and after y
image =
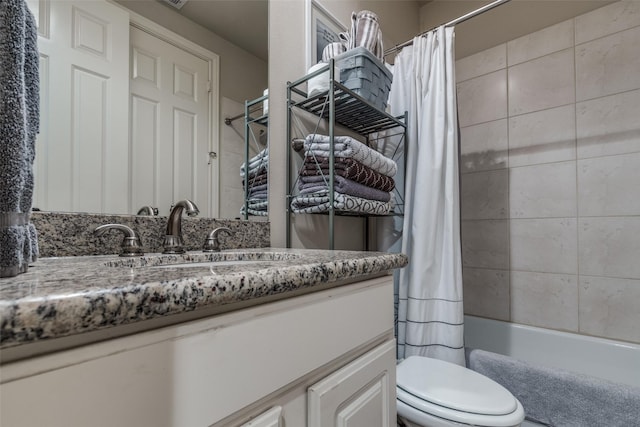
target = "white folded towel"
x: 320, y: 83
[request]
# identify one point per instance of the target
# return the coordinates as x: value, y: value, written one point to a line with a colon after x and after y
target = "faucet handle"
x: 212, y: 244
x: 148, y: 210
x: 131, y: 244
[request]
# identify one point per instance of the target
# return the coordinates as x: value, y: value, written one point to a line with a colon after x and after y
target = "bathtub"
x: 607, y: 359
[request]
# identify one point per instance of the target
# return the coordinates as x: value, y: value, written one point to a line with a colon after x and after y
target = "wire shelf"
x: 262, y: 120
x: 340, y: 106
x: 351, y: 110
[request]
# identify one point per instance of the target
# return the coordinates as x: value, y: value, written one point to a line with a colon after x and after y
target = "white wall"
x: 242, y: 75
x: 399, y: 19
x: 506, y: 22
x: 550, y: 136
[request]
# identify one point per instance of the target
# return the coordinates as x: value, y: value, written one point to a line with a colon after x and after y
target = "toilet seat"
x: 452, y: 392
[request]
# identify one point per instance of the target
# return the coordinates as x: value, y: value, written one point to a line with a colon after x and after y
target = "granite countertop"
x: 61, y: 297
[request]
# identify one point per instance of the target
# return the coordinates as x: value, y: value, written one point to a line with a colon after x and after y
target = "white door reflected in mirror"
x: 127, y: 113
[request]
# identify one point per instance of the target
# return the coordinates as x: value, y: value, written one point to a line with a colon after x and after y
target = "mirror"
x: 254, y: 121
x: 121, y: 85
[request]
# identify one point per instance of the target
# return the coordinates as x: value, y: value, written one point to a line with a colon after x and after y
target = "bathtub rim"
x: 574, y: 352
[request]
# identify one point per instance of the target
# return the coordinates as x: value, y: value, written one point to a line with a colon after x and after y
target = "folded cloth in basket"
x: 348, y: 168
x: 345, y: 146
x: 319, y: 202
x: 313, y: 184
x: 331, y: 50
x: 364, y: 31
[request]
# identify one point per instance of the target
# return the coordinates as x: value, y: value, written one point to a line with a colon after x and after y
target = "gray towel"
x: 319, y: 202
x: 314, y: 184
x: 259, y: 195
x: 260, y: 187
x: 19, y: 125
x: 348, y: 168
x: 259, y: 161
x: 347, y: 147
x: 256, y: 207
x: 560, y: 398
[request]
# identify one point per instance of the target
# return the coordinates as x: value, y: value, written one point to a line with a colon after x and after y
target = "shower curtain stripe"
x: 435, y: 321
x: 433, y: 345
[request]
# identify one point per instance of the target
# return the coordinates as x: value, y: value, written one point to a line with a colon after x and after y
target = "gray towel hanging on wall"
x: 19, y: 125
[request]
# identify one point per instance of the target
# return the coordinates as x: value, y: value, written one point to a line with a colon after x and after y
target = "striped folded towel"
x: 345, y: 146
x: 347, y: 168
x: 319, y: 202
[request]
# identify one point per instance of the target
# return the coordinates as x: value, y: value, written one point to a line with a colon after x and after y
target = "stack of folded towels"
x: 255, y: 180
x: 363, y: 177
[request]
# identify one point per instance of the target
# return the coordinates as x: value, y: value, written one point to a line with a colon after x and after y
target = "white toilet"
x: 435, y: 393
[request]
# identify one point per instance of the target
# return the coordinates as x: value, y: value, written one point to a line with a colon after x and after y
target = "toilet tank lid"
x: 453, y: 386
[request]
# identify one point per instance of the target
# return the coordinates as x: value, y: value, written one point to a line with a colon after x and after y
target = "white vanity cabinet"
x: 317, y: 359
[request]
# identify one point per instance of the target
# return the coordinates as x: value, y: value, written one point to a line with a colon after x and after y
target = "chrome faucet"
x: 173, y: 243
x: 212, y: 244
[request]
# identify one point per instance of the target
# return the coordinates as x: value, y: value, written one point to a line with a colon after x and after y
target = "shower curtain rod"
x: 456, y: 21
x: 229, y: 120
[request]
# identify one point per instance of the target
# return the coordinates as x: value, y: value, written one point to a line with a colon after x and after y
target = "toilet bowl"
x: 435, y: 393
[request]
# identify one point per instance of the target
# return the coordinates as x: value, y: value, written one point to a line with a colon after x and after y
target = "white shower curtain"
x: 430, y: 311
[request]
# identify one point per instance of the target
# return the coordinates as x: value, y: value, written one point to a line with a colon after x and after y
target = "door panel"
x: 82, y: 150
x: 170, y: 132
x: 144, y: 130
x: 89, y: 117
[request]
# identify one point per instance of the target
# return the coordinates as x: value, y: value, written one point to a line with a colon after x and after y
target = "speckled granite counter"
x: 71, y: 234
x: 61, y: 297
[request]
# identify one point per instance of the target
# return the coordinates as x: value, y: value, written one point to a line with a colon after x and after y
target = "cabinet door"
x: 362, y: 394
x: 271, y: 418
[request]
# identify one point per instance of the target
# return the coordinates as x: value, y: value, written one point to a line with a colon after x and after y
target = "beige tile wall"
x: 550, y: 198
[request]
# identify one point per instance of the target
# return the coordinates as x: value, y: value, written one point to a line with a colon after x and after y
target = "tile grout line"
x: 508, y: 195
x: 576, y: 101
x: 576, y: 44
x: 577, y: 187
